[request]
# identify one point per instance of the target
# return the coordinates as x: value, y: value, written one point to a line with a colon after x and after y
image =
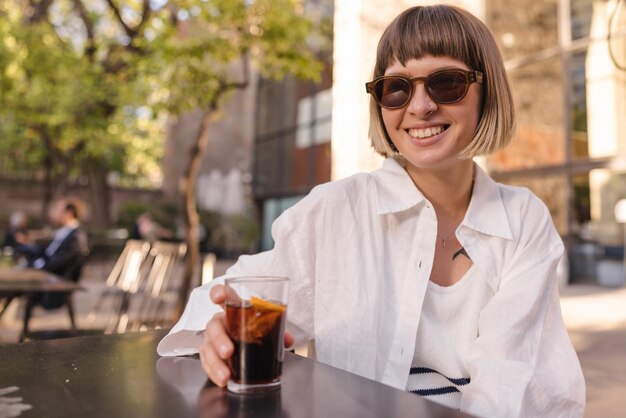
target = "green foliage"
x: 206, y: 57
x: 164, y: 213
x: 71, y: 96
x: 240, y: 234
x: 63, y: 109
x: 229, y: 235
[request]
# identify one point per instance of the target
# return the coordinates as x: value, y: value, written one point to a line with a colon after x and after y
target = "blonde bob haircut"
x: 444, y: 30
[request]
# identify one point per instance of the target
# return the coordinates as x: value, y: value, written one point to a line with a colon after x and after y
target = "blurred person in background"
x: 147, y: 229
x: 66, y: 253
x: 17, y: 231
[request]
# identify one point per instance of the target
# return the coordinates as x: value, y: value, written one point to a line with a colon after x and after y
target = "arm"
x: 522, y: 364
x: 71, y: 251
x: 30, y: 251
x: 285, y: 259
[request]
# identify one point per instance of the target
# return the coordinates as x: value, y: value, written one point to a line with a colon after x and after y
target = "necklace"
x: 444, y: 239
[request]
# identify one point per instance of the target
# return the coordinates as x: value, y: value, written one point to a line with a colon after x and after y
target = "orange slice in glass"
x: 264, y: 304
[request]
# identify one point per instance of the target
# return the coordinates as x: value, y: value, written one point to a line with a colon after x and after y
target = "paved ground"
x: 596, y: 321
x: 595, y: 318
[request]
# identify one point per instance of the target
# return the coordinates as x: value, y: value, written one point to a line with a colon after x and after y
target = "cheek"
x: 472, y: 114
x: 478, y: 107
x: 478, y: 114
x: 390, y: 119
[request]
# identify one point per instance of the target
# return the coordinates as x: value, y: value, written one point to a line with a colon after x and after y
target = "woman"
x: 425, y: 274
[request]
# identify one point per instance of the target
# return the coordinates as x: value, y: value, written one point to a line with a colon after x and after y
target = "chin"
x: 429, y: 162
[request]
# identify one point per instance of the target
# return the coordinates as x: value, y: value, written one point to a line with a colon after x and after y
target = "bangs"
x: 427, y: 30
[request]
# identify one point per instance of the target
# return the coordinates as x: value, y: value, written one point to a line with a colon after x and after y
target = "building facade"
x: 566, y: 61
x: 292, y: 141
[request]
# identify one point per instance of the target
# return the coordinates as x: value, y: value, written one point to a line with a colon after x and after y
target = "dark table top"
x: 16, y: 280
x: 122, y: 376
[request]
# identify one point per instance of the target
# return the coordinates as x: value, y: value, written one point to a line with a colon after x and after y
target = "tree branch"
x: 120, y: 19
x: 235, y: 85
x: 39, y: 10
x: 131, y: 32
x: 90, y: 50
x: 145, y: 15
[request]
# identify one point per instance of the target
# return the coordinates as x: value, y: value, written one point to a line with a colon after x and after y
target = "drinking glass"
x: 256, y: 313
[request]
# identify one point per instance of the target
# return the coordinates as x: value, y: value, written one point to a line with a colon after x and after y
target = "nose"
x: 421, y: 104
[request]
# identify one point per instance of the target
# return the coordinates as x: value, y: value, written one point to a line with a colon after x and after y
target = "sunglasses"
x: 444, y: 87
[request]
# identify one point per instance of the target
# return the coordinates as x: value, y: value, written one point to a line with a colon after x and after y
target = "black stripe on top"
x: 436, y: 391
x: 423, y: 370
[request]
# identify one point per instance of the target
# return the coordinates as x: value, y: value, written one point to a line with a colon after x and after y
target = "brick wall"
x: 27, y: 195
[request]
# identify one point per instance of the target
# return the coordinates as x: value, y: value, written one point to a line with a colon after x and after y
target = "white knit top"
x: 447, y: 327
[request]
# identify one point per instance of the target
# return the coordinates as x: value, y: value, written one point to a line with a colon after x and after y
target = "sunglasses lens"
x: 393, y: 92
x: 448, y: 87
x: 444, y: 87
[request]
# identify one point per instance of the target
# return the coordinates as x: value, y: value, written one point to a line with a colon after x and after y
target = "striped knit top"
x: 448, y: 326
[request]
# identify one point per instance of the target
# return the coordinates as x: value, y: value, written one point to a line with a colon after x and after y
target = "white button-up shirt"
x: 359, y: 253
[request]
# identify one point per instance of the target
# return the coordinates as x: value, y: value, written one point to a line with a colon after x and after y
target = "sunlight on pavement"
x: 592, y: 308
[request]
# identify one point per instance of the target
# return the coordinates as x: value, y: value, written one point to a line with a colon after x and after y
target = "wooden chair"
x: 140, y: 287
x: 122, y: 282
x: 160, y: 290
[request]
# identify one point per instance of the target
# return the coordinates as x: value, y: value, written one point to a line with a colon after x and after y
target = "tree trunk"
x: 188, y: 189
x: 48, y: 185
x: 98, y: 194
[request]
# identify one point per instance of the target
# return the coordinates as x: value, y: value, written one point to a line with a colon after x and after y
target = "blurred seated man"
x: 66, y: 253
x: 147, y: 229
x: 17, y: 230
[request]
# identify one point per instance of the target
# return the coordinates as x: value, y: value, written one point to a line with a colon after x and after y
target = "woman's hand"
x: 217, y: 347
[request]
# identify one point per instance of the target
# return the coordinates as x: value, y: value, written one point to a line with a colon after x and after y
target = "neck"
x: 70, y: 223
x: 449, y: 190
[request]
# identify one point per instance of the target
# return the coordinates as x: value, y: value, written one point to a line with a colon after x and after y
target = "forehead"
x: 424, y: 66
x: 57, y: 206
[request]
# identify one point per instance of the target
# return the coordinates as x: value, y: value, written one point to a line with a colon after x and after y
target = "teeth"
x: 425, y: 133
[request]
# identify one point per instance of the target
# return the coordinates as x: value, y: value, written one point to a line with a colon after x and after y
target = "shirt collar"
x: 396, y: 192
x: 486, y: 212
x: 68, y: 227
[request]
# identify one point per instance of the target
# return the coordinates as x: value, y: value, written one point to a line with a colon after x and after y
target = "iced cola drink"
x: 256, y: 313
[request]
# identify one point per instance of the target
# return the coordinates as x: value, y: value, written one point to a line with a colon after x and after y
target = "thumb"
x: 289, y: 339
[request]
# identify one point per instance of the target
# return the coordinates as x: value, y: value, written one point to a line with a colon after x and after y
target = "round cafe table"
x: 122, y: 376
x: 17, y: 282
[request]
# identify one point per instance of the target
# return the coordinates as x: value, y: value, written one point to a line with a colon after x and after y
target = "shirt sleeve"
x: 522, y: 364
x: 287, y: 259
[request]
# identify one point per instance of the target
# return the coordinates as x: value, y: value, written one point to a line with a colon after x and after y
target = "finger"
x: 218, y: 294
x: 213, y: 365
x: 216, y: 336
x: 289, y: 339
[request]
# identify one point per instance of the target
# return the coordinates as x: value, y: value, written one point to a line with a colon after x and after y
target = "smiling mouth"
x: 426, y: 133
